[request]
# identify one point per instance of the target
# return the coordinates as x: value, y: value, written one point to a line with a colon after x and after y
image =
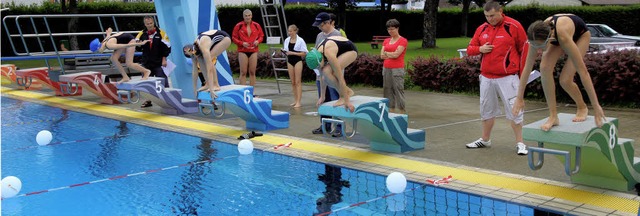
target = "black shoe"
x: 317, y: 130
x: 336, y: 133
x: 146, y: 104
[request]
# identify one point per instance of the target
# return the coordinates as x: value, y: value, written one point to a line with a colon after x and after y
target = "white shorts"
x: 507, y: 89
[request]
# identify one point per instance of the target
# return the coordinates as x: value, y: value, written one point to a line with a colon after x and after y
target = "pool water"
x: 87, y: 148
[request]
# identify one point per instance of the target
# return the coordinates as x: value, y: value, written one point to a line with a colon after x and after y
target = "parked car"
x: 603, y: 32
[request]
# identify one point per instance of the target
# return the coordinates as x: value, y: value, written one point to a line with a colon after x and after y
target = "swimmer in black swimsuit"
x: 559, y: 35
x: 295, y: 48
x: 121, y: 42
x: 206, y: 48
x: 338, y: 52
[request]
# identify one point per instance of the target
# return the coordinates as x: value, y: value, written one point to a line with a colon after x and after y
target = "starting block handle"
x: 21, y: 81
x: 67, y: 88
x: 127, y: 93
x: 212, y: 109
x: 337, y: 122
x: 567, y: 158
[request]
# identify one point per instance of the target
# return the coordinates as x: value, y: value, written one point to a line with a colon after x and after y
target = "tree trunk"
x: 73, y: 25
x: 342, y: 14
x: 429, y: 24
x: 465, y: 17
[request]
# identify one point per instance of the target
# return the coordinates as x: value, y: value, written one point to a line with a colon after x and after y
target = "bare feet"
x: 292, y: 104
x: 123, y: 80
x: 145, y: 74
x: 339, y: 102
x: 350, y: 92
x: 347, y: 104
x: 297, y: 105
x: 599, y: 116
x: 551, y: 121
x: 203, y: 88
x: 581, y: 114
x: 216, y: 88
x: 213, y: 95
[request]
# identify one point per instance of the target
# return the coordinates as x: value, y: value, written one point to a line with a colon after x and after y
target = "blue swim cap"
x: 94, y: 45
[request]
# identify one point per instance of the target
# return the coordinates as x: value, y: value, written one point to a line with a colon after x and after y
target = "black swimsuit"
x: 293, y: 59
x: 215, y: 39
x: 123, y: 38
x: 343, y: 47
x: 580, y: 28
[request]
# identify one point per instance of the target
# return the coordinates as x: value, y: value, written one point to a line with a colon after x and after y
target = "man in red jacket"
x: 500, y: 43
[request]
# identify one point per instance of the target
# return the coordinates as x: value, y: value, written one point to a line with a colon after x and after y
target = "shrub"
x: 615, y: 76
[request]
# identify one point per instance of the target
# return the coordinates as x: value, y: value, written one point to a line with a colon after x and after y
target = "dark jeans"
x: 331, y: 94
x: 158, y: 72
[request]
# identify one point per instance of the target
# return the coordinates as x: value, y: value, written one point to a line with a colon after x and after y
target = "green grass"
x: 446, y: 48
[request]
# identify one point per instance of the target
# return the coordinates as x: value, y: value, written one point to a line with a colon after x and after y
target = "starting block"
x: 386, y: 131
x: 593, y: 156
x: 257, y: 112
x: 91, y: 81
x: 153, y: 89
x: 28, y: 77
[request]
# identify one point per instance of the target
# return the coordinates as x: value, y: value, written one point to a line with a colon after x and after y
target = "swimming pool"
x: 119, y: 168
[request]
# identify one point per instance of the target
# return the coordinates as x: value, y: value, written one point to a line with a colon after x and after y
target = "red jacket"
x: 509, y: 39
x: 240, y: 35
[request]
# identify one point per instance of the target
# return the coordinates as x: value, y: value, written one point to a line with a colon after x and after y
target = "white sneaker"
x: 479, y: 144
x: 522, y: 149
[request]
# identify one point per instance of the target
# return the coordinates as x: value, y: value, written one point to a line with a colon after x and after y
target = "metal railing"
x: 28, y: 31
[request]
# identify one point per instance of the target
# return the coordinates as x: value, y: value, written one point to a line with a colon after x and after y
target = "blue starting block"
x: 169, y: 99
x: 386, y: 131
x: 256, y: 112
x: 593, y: 156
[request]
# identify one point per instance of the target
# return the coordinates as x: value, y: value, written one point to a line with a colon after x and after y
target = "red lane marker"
x: 81, y: 184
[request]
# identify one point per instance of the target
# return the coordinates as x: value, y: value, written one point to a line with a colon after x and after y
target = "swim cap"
x: 313, y: 58
x: 94, y: 45
x: 189, y: 47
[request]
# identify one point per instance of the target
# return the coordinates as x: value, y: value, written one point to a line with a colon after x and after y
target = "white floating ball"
x: 396, y: 182
x: 245, y: 147
x: 44, y: 137
x: 11, y: 186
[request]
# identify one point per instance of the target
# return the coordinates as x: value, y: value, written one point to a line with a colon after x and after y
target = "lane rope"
x: 77, y: 141
x: 432, y: 182
x: 138, y: 173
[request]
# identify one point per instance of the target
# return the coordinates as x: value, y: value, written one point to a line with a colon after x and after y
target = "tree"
x: 429, y: 24
x: 342, y: 6
x: 73, y: 22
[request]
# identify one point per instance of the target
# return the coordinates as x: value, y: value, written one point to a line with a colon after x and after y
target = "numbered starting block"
x: 28, y: 77
x: 386, y: 131
x: 91, y: 81
x: 593, y: 156
x: 257, y: 112
x: 153, y: 89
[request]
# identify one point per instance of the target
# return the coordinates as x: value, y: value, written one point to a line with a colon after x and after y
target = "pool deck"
x: 450, y: 121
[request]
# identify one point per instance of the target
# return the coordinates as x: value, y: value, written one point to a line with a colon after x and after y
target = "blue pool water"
x: 262, y: 183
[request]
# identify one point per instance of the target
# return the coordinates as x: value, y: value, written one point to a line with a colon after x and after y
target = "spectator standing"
x: 295, y: 48
x: 247, y: 34
x: 154, y: 53
x: 393, y: 51
x: 500, y: 41
x: 327, y: 29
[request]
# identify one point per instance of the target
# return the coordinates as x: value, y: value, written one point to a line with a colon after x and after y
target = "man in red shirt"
x: 247, y: 34
x: 500, y: 42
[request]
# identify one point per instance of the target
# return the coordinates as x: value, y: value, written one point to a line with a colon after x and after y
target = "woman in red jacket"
x: 247, y: 34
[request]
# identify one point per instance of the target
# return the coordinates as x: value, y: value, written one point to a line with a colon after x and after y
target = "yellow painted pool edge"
x: 570, y: 194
